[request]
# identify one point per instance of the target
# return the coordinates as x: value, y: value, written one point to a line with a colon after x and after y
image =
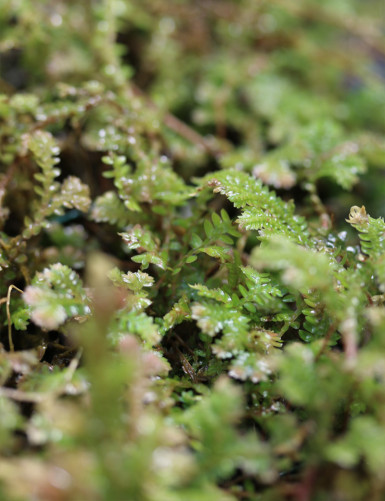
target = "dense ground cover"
x: 192, y: 252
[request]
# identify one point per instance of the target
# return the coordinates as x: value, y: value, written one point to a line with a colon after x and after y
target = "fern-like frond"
x: 262, y: 209
x: 371, y: 231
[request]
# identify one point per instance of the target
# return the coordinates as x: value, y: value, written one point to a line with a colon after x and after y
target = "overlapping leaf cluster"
x: 172, y: 327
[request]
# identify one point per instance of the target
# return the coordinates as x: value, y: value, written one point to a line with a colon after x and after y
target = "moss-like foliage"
x: 192, y: 250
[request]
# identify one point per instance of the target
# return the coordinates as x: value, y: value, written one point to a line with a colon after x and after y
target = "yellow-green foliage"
x: 192, y: 251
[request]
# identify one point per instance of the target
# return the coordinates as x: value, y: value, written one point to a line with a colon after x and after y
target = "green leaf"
x: 196, y: 241
x: 216, y: 219
x: 75, y: 194
x: 217, y: 294
x: 108, y: 208
x: 138, y: 323
x: 132, y: 281
x: 216, y: 251
x: 209, y: 230
x: 56, y: 294
x: 20, y: 318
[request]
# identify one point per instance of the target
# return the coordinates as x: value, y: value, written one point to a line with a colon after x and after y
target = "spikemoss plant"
x: 192, y: 252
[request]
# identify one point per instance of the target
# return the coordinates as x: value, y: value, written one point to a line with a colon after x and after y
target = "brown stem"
x: 181, y: 128
x: 326, y: 340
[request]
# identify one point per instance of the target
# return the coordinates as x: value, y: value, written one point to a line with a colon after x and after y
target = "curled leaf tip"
x: 357, y: 215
